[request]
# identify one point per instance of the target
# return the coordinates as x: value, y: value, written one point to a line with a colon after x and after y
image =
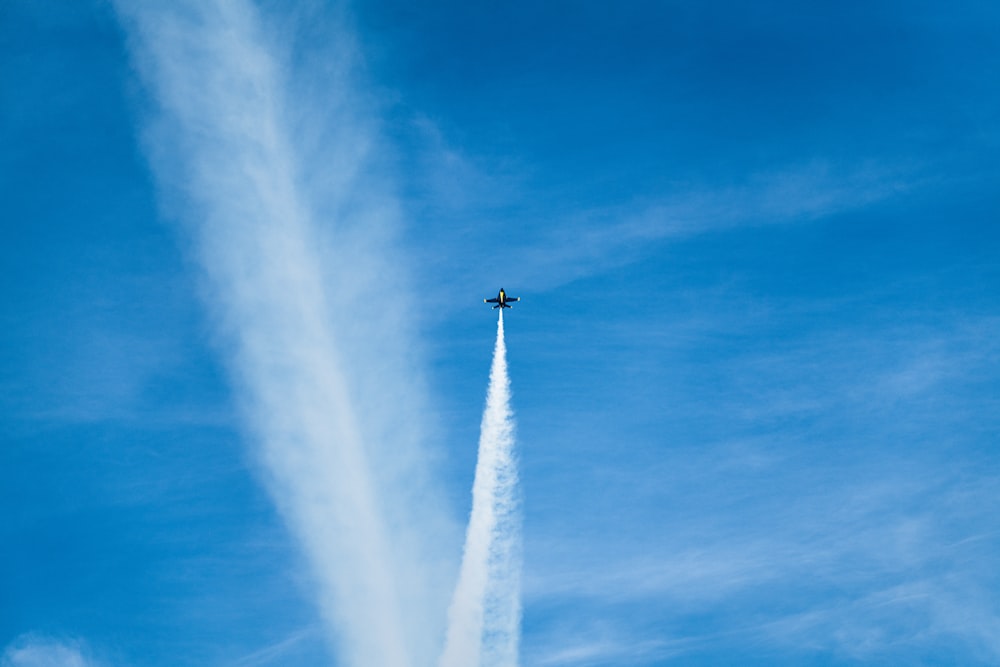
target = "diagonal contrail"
x: 485, y: 615
x: 324, y: 382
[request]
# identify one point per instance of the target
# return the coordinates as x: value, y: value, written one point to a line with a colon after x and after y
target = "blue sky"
x: 755, y: 369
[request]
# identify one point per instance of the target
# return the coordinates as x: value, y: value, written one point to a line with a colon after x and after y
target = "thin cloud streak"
x: 605, y: 238
x: 582, y: 651
x: 276, y: 652
x: 903, y: 578
x: 556, y: 247
x: 341, y: 458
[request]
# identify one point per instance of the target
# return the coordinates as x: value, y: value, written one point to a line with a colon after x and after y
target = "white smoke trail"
x: 325, y: 381
x: 485, y: 615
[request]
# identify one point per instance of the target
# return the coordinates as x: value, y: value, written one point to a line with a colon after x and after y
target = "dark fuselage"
x: 502, y: 300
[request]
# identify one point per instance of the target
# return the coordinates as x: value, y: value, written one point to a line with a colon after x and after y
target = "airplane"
x: 502, y: 300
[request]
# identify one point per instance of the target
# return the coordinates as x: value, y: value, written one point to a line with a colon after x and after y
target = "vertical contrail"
x: 485, y: 615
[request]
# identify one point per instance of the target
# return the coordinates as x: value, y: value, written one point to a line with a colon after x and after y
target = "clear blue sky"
x: 755, y: 366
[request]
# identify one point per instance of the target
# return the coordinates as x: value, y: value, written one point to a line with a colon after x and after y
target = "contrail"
x: 485, y: 615
x: 279, y: 203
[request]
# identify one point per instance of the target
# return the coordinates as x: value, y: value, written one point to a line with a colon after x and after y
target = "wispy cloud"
x: 277, y: 652
x: 862, y: 569
x: 847, y: 509
x: 618, y: 650
x: 261, y: 147
x: 549, y: 243
x: 37, y: 651
x: 599, y: 239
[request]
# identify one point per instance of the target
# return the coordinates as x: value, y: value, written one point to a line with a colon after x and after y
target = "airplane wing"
x: 513, y: 298
x: 492, y: 300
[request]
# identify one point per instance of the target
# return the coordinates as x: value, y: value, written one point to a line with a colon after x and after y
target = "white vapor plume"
x: 294, y: 235
x: 485, y: 615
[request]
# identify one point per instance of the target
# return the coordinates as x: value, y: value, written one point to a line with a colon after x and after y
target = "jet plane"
x: 502, y: 300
